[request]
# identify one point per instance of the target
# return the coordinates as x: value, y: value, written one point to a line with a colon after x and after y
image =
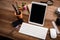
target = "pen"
x: 16, y: 10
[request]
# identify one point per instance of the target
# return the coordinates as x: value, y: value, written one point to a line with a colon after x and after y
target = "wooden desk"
x: 7, y: 29
x: 50, y: 16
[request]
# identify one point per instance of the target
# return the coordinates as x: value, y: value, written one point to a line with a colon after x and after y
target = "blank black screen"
x: 37, y: 13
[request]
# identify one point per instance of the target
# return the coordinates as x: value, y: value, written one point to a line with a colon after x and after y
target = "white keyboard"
x: 32, y: 30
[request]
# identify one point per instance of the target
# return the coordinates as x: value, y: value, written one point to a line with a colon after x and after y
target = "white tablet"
x: 37, y: 13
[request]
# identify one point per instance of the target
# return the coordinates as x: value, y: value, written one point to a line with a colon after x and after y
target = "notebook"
x: 36, y: 21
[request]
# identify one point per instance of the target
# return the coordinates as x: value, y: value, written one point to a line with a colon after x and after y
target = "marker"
x: 55, y: 26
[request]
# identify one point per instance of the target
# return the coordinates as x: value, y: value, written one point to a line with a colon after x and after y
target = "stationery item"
x: 55, y: 26
x: 50, y: 2
x: 29, y: 7
x: 16, y: 10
